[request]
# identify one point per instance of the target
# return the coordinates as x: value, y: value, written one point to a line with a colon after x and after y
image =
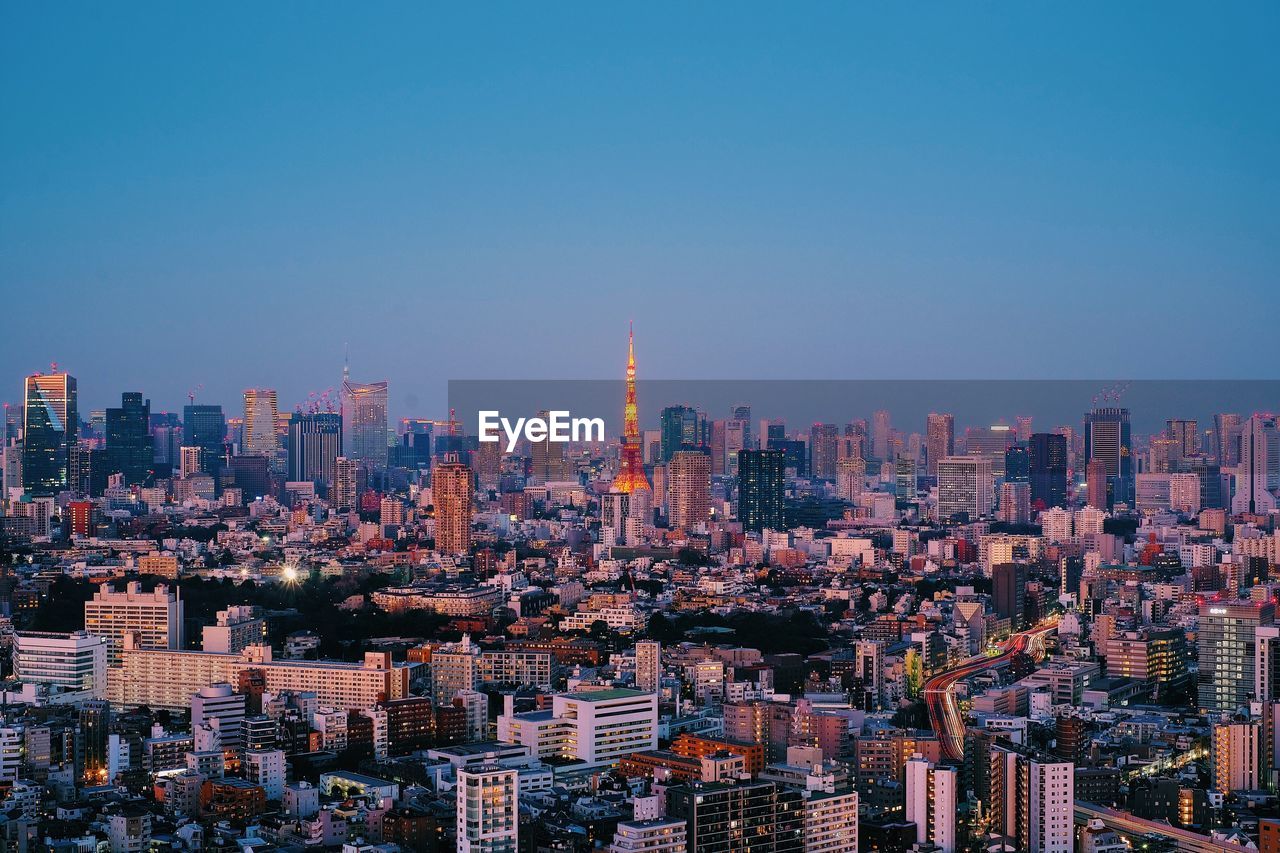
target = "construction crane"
x: 191, y: 394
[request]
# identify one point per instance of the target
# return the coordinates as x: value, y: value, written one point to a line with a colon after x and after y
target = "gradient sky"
x: 224, y: 194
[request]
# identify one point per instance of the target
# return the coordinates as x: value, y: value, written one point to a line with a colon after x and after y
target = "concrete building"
x: 488, y: 814
x: 154, y: 618
x: 594, y: 726
x: 75, y: 661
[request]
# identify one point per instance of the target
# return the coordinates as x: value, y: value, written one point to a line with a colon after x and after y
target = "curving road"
x: 940, y: 695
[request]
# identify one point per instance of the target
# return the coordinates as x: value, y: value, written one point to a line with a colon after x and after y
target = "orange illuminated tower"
x: 631, y: 476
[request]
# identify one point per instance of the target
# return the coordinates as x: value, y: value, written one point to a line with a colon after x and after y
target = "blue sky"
x: 226, y: 194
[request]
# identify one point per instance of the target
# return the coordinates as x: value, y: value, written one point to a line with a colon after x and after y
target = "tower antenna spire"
x: 631, y: 471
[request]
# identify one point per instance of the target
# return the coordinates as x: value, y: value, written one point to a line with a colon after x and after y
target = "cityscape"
x: 248, y: 628
x: 639, y: 428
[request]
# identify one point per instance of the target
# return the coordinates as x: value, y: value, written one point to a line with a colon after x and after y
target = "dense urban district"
x: 312, y: 630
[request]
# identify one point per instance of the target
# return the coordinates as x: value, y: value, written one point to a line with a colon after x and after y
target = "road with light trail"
x: 939, y: 691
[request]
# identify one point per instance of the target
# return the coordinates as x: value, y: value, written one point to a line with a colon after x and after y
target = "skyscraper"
x: 260, y: 415
x: 1186, y: 436
x: 129, y: 445
x: 679, y: 430
x: 205, y: 427
x: 735, y: 439
x: 1259, y: 469
x: 850, y: 473
x: 1107, y: 438
x: 939, y: 440
x: 51, y: 423
x: 1009, y: 584
x: 364, y: 421
x: 1017, y: 464
x: 631, y: 475
x: 547, y: 459
x: 742, y: 413
x: 315, y: 443
x: 761, y: 482
x: 1226, y: 438
x: 689, y: 489
x: 965, y: 486
x: 1226, y: 640
x: 1048, y: 469
x: 452, y: 491
x: 822, y: 451
x: 881, y: 435
x: 1098, y: 485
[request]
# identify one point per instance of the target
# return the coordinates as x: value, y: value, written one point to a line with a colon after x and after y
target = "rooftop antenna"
x: 346, y: 363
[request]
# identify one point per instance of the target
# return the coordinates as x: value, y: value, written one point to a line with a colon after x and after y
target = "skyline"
x: 450, y: 195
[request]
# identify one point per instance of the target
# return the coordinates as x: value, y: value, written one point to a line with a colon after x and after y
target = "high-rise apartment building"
x: 155, y: 617
x: 761, y: 486
x: 488, y: 811
x: 51, y: 424
x: 1015, y: 503
x: 1047, y: 800
x: 648, y: 665
x: 850, y: 473
x: 932, y: 794
x: 1238, y: 755
x: 260, y: 415
x: 753, y: 817
x: 1226, y: 640
x: 452, y: 492
x: 1098, y: 486
x: 823, y: 451
x: 689, y: 489
x: 345, y: 472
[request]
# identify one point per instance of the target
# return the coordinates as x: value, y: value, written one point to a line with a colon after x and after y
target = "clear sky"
x: 224, y: 194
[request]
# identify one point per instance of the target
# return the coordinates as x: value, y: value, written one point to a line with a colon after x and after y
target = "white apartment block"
x: 74, y: 662
x: 595, y: 726
x: 488, y: 814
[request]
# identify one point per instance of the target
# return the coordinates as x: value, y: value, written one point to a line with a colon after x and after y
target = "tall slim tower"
x: 631, y: 472
x: 51, y: 424
x: 260, y: 414
x: 364, y: 421
x: 452, y: 490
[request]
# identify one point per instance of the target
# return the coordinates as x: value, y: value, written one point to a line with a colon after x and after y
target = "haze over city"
x: 227, y: 196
